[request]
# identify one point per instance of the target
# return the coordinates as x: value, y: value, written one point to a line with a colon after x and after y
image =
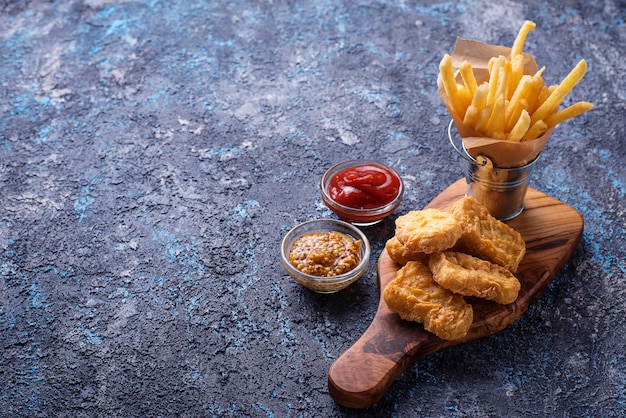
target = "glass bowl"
x: 360, y: 215
x: 323, y: 284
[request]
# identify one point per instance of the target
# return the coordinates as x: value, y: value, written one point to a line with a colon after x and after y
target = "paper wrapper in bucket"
x: 503, y: 154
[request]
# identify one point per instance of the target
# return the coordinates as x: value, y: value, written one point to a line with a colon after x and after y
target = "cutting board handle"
x: 363, y: 373
x: 361, y: 376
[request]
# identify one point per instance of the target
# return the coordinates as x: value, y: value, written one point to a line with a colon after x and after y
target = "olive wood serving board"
x: 362, y: 375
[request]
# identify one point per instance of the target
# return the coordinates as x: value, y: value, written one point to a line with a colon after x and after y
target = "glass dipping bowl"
x: 354, y: 215
x: 322, y: 284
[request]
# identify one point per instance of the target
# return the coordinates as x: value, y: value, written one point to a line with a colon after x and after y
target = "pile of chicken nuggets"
x: 446, y: 255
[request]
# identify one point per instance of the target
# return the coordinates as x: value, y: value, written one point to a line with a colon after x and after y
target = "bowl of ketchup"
x: 362, y: 192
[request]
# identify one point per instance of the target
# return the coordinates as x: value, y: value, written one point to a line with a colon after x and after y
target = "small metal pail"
x: 500, y: 190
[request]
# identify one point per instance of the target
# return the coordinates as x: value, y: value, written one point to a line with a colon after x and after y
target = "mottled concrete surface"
x: 153, y: 154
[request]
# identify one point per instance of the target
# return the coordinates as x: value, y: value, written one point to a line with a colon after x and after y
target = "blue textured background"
x: 153, y: 154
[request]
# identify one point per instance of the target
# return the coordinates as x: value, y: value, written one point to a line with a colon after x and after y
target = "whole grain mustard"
x: 325, y: 254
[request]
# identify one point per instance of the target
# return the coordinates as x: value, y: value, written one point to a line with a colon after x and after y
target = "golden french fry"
x: 521, y: 92
x: 449, y: 83
x: 497, y: 123
x: 483, y: 119
x: 515, y: 113
x: 568, y: 113
x: 508, y: 71
x: 490, y: 64
x: 544, y: 93
x: 447, y: 74
x: 517, y: 71
x: 521, y: 127
x: 480, y: 96
x: 471, y: 116
x: 467, y: 74
x: 464, y: 99
x: 535, y: 130
x: 502, y: 82
x: 536, y: 86
x: 554, y: 100
x: 520, y: 39
x: 494, y: 74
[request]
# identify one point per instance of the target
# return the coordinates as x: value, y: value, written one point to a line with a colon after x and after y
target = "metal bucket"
x: 500, y: 190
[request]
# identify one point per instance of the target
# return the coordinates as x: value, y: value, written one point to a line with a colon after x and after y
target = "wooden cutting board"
x: 362, y: 375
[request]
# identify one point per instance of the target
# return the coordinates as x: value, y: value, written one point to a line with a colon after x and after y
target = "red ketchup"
x: 364, y: 187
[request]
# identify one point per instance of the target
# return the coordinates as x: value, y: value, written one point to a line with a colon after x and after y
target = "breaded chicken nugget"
x: 487, y: 237
x: 416, y: 297
x: 428, y: 230
x: 471, y: 276
x: 401, y: 255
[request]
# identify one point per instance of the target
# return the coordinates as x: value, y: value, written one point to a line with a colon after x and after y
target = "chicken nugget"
x: 416, y: 297
x: 401, y: 255
x: 487, y: 237
x: 471, y: 276
x: 428, y: 230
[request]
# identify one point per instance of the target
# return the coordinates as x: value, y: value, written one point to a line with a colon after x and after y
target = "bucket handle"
x: 481, y: 161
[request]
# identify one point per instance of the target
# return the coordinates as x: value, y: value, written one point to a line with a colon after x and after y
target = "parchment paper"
x: 503, y: 154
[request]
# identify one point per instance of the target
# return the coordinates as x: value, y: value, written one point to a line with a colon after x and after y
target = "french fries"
x: 509, y: 104
x: 568, y: 113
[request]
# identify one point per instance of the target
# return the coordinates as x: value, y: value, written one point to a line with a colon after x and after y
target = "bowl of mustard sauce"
x: 325, y: 255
